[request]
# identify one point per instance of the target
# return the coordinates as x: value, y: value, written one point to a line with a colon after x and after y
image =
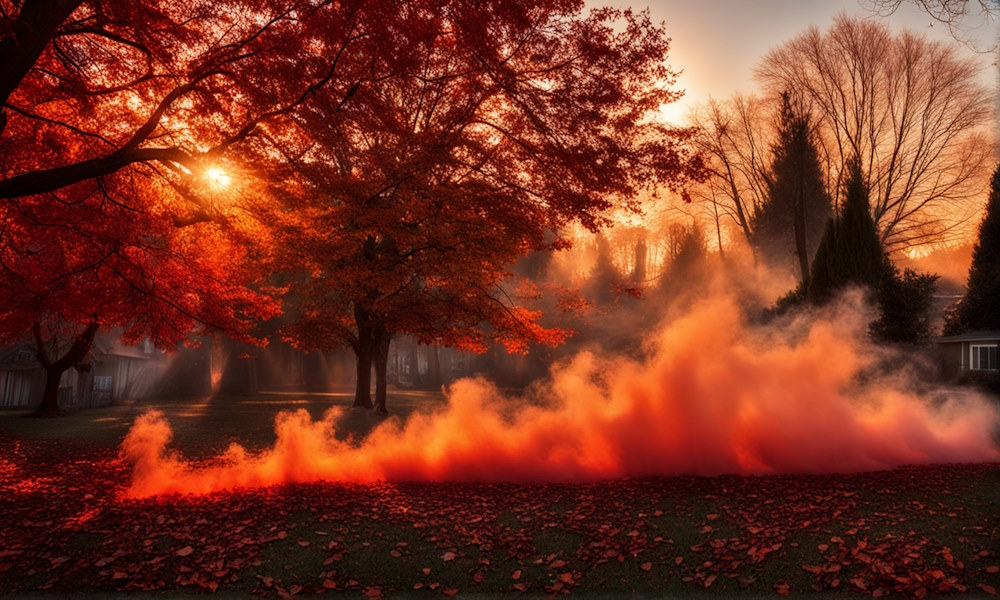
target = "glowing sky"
x: 717, y: 43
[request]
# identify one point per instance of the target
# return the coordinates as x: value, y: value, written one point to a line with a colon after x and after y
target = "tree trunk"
x: 363, y: 389
x: 55, y: 368
x: 415, y: 379
x: 433, y: 366
x: 50, y: 398
x: 381, y: 360
x: 363, y: 350
x: 800, y: 229
x: 26, y: 39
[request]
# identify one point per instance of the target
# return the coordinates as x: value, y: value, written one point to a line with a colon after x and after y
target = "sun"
x: 217, y: 178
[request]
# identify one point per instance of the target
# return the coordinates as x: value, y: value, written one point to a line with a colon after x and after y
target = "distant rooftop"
x: 972, y: 336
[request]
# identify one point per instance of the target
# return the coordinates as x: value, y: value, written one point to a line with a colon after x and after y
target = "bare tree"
x: 914, y: 111
x: 735, y: 137
x: 961, y: 17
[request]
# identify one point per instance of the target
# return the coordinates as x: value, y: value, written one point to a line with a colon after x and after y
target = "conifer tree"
x: 797, y: 203
x: 979, y: 310
x: 904, y: 301
x: 850, y: 252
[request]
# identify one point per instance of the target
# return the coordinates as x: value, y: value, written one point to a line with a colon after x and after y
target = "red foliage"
x: 112, y: 115
x: 462, y: 136
x: 418, y: 150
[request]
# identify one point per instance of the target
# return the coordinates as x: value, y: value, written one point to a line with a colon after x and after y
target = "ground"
x: 64, y: 527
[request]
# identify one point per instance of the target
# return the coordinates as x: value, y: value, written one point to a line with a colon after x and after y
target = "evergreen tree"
x: 979, y: 310
x: 850, y: 252
x: 605, y: 276
x: 797, y: 203
x: 904, y: 302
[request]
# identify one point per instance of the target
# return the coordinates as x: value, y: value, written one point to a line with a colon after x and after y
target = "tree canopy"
x: 116, y: 122
x: 913, y: 112
x: 466, y: 138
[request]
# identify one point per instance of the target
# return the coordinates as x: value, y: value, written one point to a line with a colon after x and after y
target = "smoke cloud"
x: 711, y: 395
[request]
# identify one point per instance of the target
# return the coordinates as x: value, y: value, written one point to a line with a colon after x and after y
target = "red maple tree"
x: 115, y: 124
x: 457, y: 137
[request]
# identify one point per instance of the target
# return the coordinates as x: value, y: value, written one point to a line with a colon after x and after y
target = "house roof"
x: 112, y: 346
x: 11, y: 358
x: 105, y: 346
x: 972, y: 336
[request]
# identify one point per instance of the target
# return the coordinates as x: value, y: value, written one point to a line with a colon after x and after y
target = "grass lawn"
x: 64, y: 528
x: 208, y: 425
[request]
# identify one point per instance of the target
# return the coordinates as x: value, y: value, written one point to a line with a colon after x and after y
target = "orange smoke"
x: 713, y: 396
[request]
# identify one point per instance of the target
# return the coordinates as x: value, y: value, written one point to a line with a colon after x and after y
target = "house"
x: 22, y: 379
x: 112, y: 371
x: 121, y: 372
x: 971, y: 355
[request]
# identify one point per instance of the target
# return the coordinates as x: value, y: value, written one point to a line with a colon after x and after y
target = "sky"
x: 717, y: 43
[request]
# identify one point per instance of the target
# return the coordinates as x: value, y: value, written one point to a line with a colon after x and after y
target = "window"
x: 102, y: 388
x: 983, y: 358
